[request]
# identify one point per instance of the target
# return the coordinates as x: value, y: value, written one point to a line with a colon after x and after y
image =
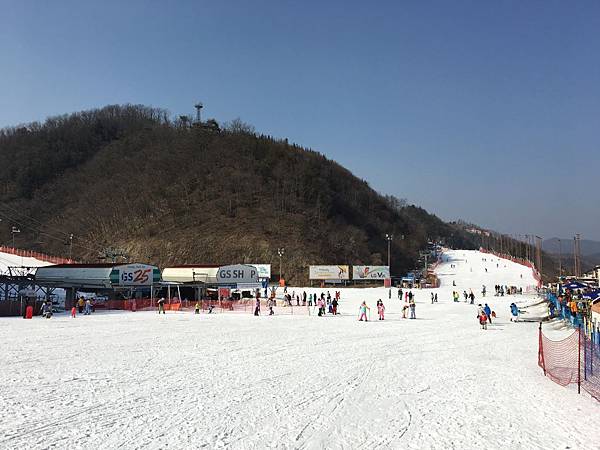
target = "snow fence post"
x: 541, y: 351
x: 579, y: 363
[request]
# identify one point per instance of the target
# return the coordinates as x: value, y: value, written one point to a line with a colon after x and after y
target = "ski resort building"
x: 113, y: 281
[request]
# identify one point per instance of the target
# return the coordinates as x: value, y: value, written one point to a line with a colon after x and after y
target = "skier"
x: 88, y: 307
x: 465, y: 295
x: 257, y: 308
x: 197, y: 308
x: 483, y: 320
x: 334, y: 305
x: 413, y: 307
x: 73, y: 312
x: 483, y: 290
x: 435, y: 297
x: 404, y: 308
x: 381, y: 310
x: 363, y: 312
x: 400, y: 294
x: 472, y: 297
x: 80, y: 304
x: 161, y: 305
x: 514, y: 310
x: 488, y: 312
x: 270, y: 305
x: 47, y: 309
x: 432, y: 298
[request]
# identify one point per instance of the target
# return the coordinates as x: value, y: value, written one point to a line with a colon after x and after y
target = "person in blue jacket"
x: 514, y: 310
x: 488, y: 312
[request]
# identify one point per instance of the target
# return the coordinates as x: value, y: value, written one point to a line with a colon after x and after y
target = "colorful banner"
x: 329, y: 272
x: 370, y: 272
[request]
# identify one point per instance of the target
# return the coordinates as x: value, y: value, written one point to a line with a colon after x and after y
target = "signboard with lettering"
x: 134, y: 275
x: 370, y: 272
x: 329, y: 272
x: 239, y: 273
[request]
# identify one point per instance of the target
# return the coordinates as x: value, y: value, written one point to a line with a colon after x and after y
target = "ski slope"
x: 9, y: 260
x: 140, y: 380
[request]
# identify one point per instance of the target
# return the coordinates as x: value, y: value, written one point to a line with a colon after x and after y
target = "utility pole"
x: 559, y: 259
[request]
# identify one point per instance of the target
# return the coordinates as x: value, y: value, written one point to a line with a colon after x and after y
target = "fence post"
x: 541, y: 350
x: 579, y: 363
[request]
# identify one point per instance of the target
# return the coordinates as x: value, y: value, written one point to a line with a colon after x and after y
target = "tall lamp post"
x: 71, y: 247
x: 280, y: 252
x: 14, y: 231
x: 559, y: 259
x: 389, y: 238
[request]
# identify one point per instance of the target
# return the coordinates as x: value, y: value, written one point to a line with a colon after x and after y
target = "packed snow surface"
x: 140, y: 380
x: 9, y: 260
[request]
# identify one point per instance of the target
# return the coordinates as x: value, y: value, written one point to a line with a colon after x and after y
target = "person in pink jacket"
x: 381, y: 310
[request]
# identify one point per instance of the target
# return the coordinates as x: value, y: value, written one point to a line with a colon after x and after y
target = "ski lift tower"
x: 198, y: 107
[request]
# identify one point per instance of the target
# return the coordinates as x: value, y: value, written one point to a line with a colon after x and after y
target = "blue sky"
x: 486, y: 111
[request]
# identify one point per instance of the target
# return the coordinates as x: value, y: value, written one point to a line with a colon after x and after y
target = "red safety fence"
x: 36, y: 255
x: 215, y: 306
x: 560, y: 360
x: 572, y: 360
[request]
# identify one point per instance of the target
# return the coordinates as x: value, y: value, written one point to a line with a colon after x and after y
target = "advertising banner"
x: 329, y: 272
x: 370, y: 272
x: 134, y: 275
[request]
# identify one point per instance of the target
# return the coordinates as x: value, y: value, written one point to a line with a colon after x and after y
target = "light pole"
x: 280, y: 252
x: 14, y: 231
x: 559, y: 259
x: 389, y: 238
x: 71, y: 247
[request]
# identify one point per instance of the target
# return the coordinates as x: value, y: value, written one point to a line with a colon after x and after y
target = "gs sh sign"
x: 239, y: 273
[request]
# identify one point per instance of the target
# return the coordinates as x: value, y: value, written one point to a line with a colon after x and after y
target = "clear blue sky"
x: 486, y: 111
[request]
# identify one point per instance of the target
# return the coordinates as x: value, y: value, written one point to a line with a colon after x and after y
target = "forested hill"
x: 126, y: 177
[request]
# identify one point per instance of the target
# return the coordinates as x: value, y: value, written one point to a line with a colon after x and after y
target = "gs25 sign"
x: 133, y: 275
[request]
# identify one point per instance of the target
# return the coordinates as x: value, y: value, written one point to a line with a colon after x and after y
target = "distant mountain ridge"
x: 588, y: 247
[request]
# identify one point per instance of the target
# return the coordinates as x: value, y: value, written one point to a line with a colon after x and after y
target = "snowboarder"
x: 363, y: 312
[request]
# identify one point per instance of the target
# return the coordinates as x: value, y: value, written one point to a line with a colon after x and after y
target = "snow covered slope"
x: 10, y: 260
x: 140, y: 380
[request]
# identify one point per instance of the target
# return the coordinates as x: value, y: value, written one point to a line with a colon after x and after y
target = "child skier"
x: 197, y: 308
x: 73, y: 312
x: 381, y: 310
x: 483, y: 320
x: 363, y: 312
